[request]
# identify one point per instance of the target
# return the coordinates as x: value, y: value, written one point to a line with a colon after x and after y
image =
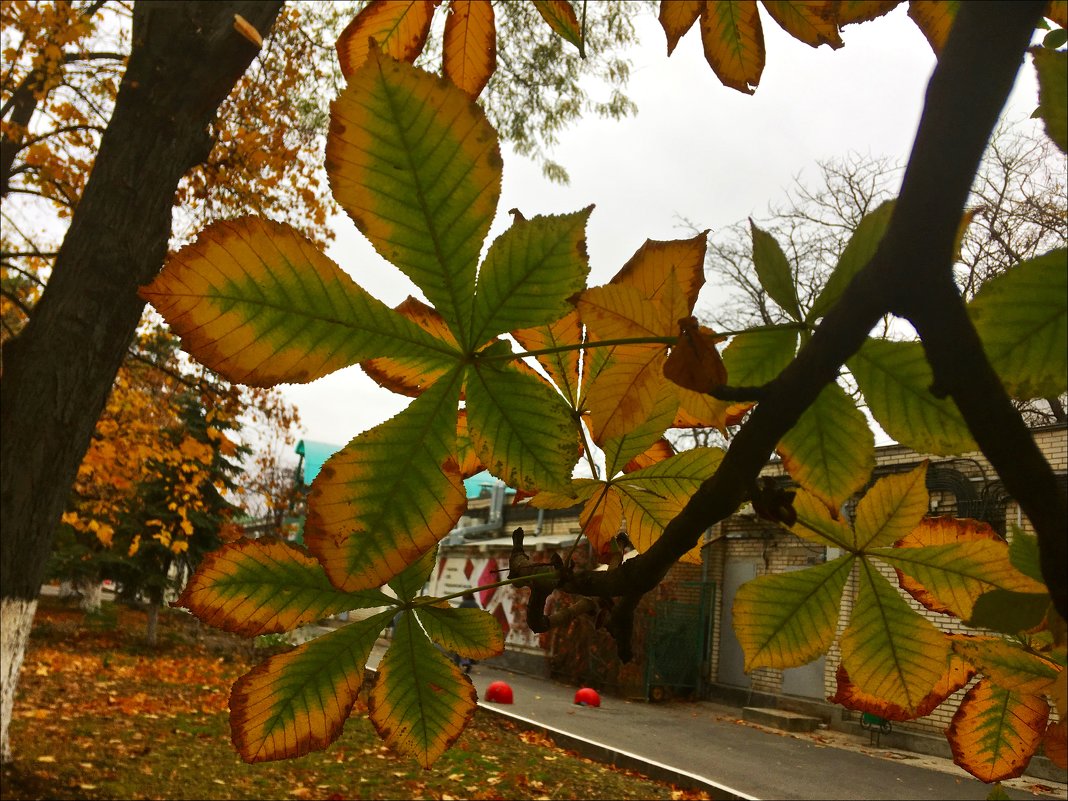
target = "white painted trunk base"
x: 92, y: 592
x: 16, y: 619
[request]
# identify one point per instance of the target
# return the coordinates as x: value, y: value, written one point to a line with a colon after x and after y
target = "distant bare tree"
x: 1019, y: 210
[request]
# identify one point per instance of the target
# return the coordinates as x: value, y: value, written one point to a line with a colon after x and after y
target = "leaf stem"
x: 601, y: 343
x: 653, y: 340
x: 431, y: 601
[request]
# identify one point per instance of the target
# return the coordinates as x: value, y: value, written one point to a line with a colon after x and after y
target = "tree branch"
x: 969, y: 86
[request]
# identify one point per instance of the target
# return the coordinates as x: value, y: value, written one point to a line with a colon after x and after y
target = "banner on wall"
x: 477, y: 565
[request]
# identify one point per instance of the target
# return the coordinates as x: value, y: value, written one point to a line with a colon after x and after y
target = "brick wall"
x: 752, y: 538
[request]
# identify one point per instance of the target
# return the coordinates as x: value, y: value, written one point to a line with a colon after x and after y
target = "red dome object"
x: 587, y: 696
x: 499, y: 693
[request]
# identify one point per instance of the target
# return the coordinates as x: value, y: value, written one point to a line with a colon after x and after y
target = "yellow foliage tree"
x: 63, y: 67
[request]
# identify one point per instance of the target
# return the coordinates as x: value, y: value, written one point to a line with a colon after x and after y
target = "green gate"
x: 678, y: 645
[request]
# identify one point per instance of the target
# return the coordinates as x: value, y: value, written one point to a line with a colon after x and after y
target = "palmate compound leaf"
x: 388, y: 496
x: 896, y: 379
x: 421, y: 700
x: 830, y: 451
x: 416, y: 164
x: 995, y: 731
x: 889, y: 650
x: 298, y: 701
x: 258, y: 303
x: 469, y: 45
x: 947, y: 563
x: 783, y: 620
x: 1022, y: 318
x: 649, y: 495
x: 266, y: 585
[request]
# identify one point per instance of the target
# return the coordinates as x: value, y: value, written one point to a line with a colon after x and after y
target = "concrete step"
x: 780, y: 719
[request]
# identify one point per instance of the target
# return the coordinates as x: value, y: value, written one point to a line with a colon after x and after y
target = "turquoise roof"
x: 473, y: 485
x: 316, y: 453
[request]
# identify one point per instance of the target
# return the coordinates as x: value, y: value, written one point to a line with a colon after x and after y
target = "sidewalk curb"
x: 607, y: 755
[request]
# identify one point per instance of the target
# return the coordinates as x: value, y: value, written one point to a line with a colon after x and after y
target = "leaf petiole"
x: 431, y: 601
x: 608, y: 343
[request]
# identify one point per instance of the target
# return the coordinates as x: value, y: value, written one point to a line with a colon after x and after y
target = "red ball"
x: 587, y: 696
x: 499, y: 693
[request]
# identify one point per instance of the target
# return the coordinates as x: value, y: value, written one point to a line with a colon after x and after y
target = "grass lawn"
x: 99, y: 715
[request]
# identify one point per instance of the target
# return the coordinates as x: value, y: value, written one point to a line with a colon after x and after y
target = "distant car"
x: 109, y: 585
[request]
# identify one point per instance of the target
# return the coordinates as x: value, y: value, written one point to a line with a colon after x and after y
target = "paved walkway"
x: 706, y: 744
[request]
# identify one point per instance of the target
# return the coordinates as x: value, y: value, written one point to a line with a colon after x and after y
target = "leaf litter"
x: 101, y: 716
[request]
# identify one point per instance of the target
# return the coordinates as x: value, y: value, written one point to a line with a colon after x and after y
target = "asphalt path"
x: 743, y: 760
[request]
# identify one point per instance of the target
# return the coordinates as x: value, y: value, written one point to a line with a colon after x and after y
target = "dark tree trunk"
x: 57, y: 373
x: 152, y: 623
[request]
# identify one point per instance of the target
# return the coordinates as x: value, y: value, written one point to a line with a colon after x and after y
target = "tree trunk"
x: 184, y: 60
x: 152, y: 626
x: 91, y: 591
x: 16, y: 619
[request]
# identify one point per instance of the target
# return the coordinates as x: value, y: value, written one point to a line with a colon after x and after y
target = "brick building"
x: 744, y: 547
x: 684, y: 640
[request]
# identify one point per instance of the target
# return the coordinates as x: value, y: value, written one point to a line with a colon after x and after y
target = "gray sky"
x: 696, y: 149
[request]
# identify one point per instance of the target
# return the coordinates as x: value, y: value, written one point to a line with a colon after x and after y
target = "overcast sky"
x: 696, y: 149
